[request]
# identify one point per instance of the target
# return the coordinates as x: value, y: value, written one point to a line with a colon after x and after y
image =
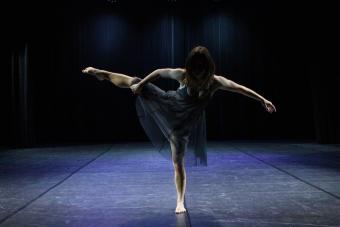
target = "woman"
x: 177, y: 118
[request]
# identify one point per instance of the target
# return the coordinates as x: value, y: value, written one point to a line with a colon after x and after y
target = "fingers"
x: 273, y: 109
x: 134, y: 89
x: 270, y: 108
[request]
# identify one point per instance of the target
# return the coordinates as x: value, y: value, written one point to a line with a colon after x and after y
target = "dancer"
x: 177, y: 117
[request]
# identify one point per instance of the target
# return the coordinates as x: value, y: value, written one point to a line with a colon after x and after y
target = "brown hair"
x: 199, y: 62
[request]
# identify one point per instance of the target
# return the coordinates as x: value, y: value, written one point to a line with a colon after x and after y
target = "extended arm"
x: 164, y: 73
x: 175, y: 74
x: 229, y: 85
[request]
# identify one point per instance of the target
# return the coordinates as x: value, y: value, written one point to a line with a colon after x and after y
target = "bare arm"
x: 229, y: 85
x: 164, y: 73
x: 170, y: 73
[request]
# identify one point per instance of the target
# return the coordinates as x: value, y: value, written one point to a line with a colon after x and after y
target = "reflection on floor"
x: 129, y: 184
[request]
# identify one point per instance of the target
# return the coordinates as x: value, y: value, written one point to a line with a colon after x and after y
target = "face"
x: 199, y: 64
x: 198, y: 74
x: 198, y: 68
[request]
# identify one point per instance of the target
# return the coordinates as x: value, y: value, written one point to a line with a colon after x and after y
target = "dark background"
x: 285, y: 51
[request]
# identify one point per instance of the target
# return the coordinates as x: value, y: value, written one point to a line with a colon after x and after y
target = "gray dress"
x: 175, y: 116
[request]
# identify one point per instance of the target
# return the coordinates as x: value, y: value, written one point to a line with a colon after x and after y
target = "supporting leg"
x: 178, y: 148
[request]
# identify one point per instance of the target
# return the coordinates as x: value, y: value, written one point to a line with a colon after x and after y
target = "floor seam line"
x: 306, y: 182
x: 54, y: 186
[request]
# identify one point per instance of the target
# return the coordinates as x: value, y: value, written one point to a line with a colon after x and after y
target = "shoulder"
x: 221, y: 80
x: 217, y: 81
x: 172, y: 73
x: 224, y: 83
x: 178, y: 73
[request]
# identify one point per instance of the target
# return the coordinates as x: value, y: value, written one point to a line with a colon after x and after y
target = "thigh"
x: 134, y: 80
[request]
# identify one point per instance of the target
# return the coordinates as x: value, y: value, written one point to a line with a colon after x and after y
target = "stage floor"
x: 130, y: 184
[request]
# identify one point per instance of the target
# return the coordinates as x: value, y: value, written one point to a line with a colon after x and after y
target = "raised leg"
x: 178, y: 148
x: 118, y: 79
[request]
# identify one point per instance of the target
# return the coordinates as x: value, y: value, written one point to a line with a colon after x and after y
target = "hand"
x: 88, y: 70
x: 268, y: 106
x: 136, y: 88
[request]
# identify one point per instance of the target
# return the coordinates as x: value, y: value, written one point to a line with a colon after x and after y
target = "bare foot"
x: 91, y: 71
x: 180, y: 208
x: 88, y: 70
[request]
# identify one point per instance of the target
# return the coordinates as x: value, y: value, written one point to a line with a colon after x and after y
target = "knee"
x: 178, y: 163
x: 179, y: 170
x: 178, y: 148
x: 135, y: 80
x: 179, y: 143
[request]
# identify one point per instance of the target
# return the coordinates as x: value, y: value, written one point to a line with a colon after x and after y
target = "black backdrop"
x: 285, y: 51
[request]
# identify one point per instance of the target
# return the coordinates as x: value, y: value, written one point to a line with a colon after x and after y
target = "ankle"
x: 180, y: 202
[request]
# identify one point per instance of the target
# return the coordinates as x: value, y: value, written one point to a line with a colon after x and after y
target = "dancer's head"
x: 200, y: 68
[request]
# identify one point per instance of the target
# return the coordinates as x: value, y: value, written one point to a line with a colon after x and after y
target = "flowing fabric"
x: 174, y: 116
